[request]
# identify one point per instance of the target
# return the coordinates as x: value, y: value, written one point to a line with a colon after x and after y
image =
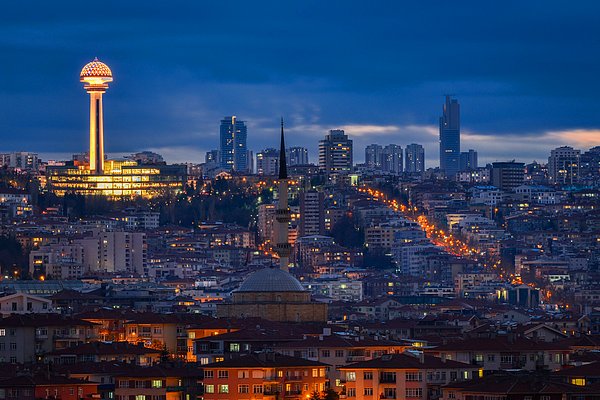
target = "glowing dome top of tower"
x: 96, y: 69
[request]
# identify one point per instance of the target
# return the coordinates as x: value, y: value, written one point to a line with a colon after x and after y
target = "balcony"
x: 293, y: 378
x: 293, y: 392
x: 387, y: 396
x: 387, y: 379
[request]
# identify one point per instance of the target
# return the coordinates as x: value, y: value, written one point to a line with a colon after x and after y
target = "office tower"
x: 267, y: 162
x: 507, y: 175
x: 373, y: 156
x: 212, y: 157
x: 335, y: 153
x: 282, y: 212
x: 563, y: 165
x: 233, y: 150
x: 468, y: 160
x: 96, y: 76
x: 312, y: 213
x: 297, y: 155
x: 450, y: 137
x: 415, y: 158
x: 391, y: 159
x: 147, y: 158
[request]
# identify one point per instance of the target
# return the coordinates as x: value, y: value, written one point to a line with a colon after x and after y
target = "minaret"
x: 282, y: 214
x: 96, y: 75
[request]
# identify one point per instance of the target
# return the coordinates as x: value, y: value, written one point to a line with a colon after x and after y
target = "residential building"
x: 373, y: 153
x: 468, y: 160
x: 262, y: 376
x: 335, y: 153
x: 267, y: 162
x: 404, y: 376
x: 312, y: 213
x: 563, y: 165
x: 391, y: 159
x: 507, y: 175
x: 414, y: 156
x: 297, y: 156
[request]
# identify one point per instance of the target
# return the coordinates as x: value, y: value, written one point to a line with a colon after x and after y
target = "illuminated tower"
x: 282, y: 213
x: 96, y: 76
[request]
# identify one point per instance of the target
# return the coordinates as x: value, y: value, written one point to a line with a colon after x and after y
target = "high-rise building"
x: 233, y: 150
x: 468, y: 160
x: 391, y: 159
x: 415, y: 158
x: 312, y: 213
x: 563, y: 165
x: 507, y: 175
x: 335, y: 153
x: 267, y: 162
x: 373, y: 156
x: 297, y: 155
x: 450, y: 137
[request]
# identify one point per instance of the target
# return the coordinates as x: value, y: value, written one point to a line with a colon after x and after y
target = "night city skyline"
x: 524, y: 75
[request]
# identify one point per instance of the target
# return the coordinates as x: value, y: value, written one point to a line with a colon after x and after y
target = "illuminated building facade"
x: 112, y: 178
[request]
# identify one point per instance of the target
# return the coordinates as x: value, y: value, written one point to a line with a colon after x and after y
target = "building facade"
x: 335, y: 153
x: 233, y: 151
x: 450, y: 137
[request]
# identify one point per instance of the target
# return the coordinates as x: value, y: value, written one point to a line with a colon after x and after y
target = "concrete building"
x: 267, y: 162
x: 373, y: 156
x: 391, y: 159
x: 468, y: 160
x: 296, y: 155
x: 335, y: 153
x: 312, y: 213
x: 507, y: 175
x: 414, y: 156
x: 563, y: 165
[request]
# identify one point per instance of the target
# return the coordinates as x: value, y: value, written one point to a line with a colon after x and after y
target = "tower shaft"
x: 96, y: 132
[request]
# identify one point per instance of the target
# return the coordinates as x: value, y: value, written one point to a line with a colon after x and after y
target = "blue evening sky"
x: 527, y: 73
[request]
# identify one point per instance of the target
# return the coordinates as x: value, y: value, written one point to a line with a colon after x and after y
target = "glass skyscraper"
x: 450, y: 137
x: 233, y: 155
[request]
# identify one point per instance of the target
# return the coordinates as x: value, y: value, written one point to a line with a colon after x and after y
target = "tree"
x: 315, y: 396
x: 331, y: 394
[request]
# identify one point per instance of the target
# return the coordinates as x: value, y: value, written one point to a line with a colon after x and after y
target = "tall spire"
x: 282, y: 161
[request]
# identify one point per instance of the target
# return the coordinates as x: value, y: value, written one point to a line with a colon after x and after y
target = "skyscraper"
x: 391, y: 159
x: 450, y: 137
x: 563, y: 165
x: 373, y: 156
x: 233, y: 152
x: 297, y: 155
x: 415, y: 158
x: 335, y: 153
x: 468, y: 160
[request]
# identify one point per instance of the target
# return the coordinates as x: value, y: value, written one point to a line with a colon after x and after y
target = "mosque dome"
x: 96, y: 69
x: 271, y: 280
